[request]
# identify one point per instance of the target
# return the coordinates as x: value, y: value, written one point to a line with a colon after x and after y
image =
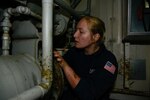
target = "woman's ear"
x: 96, y: 37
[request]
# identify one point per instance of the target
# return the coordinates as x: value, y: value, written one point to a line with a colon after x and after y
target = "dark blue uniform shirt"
x: 98, y: 73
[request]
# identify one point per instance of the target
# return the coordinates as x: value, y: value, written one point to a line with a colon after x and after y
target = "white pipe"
x: 32, y: 94
x: 47, y: 30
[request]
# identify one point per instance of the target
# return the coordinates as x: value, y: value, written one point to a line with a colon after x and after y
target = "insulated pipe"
x: 47, y: 30
x: 32, y: 94
x: 47, y: 22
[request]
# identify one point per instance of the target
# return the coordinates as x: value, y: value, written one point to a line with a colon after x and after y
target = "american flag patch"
x: 110, y: 67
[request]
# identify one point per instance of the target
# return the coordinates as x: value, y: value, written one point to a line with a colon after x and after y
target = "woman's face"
x: 83, y: 36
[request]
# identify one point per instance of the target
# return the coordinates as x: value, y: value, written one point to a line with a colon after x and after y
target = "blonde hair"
x: 96, y: 25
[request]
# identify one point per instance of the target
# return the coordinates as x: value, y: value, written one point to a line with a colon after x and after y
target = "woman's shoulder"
x: 108, y: 54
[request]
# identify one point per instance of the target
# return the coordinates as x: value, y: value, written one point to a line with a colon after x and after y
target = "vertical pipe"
x: 119, y: 16
x: 6, y: 38
x: 5, y: 44
x: 124, y: 63
x: 47, y: 29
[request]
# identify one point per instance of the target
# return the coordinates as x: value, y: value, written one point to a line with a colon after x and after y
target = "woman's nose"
x: 75, y: 34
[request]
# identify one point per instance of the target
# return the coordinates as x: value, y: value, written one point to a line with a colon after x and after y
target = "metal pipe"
x: 5, y: 44
x: 31, y: 94
x: 6, y: 38
x: 47, y: 30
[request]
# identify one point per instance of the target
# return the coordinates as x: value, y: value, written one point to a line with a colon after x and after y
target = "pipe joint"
x: 6, y: 13
x: 6, y: 22
x: 23, y: 10
x: 6, y: 25
x: 5, y: 43
x: 6, y: 29
x: 10, y: 11
x: 6, y: 36
x: 46, y: 78
x: 44, y: 85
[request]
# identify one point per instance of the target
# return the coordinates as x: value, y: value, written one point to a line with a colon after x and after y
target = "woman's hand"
x: 60, y: 59
x: 72, y: 77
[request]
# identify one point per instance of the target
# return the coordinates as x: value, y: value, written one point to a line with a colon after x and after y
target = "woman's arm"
x: 71, y: 76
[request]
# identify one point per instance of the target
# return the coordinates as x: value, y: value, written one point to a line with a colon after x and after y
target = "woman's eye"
x: 81, y: 32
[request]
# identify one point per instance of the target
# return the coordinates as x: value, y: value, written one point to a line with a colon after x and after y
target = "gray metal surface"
x: 17, y: 74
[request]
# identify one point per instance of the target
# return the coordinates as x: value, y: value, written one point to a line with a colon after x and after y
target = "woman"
x: 89, y: 67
